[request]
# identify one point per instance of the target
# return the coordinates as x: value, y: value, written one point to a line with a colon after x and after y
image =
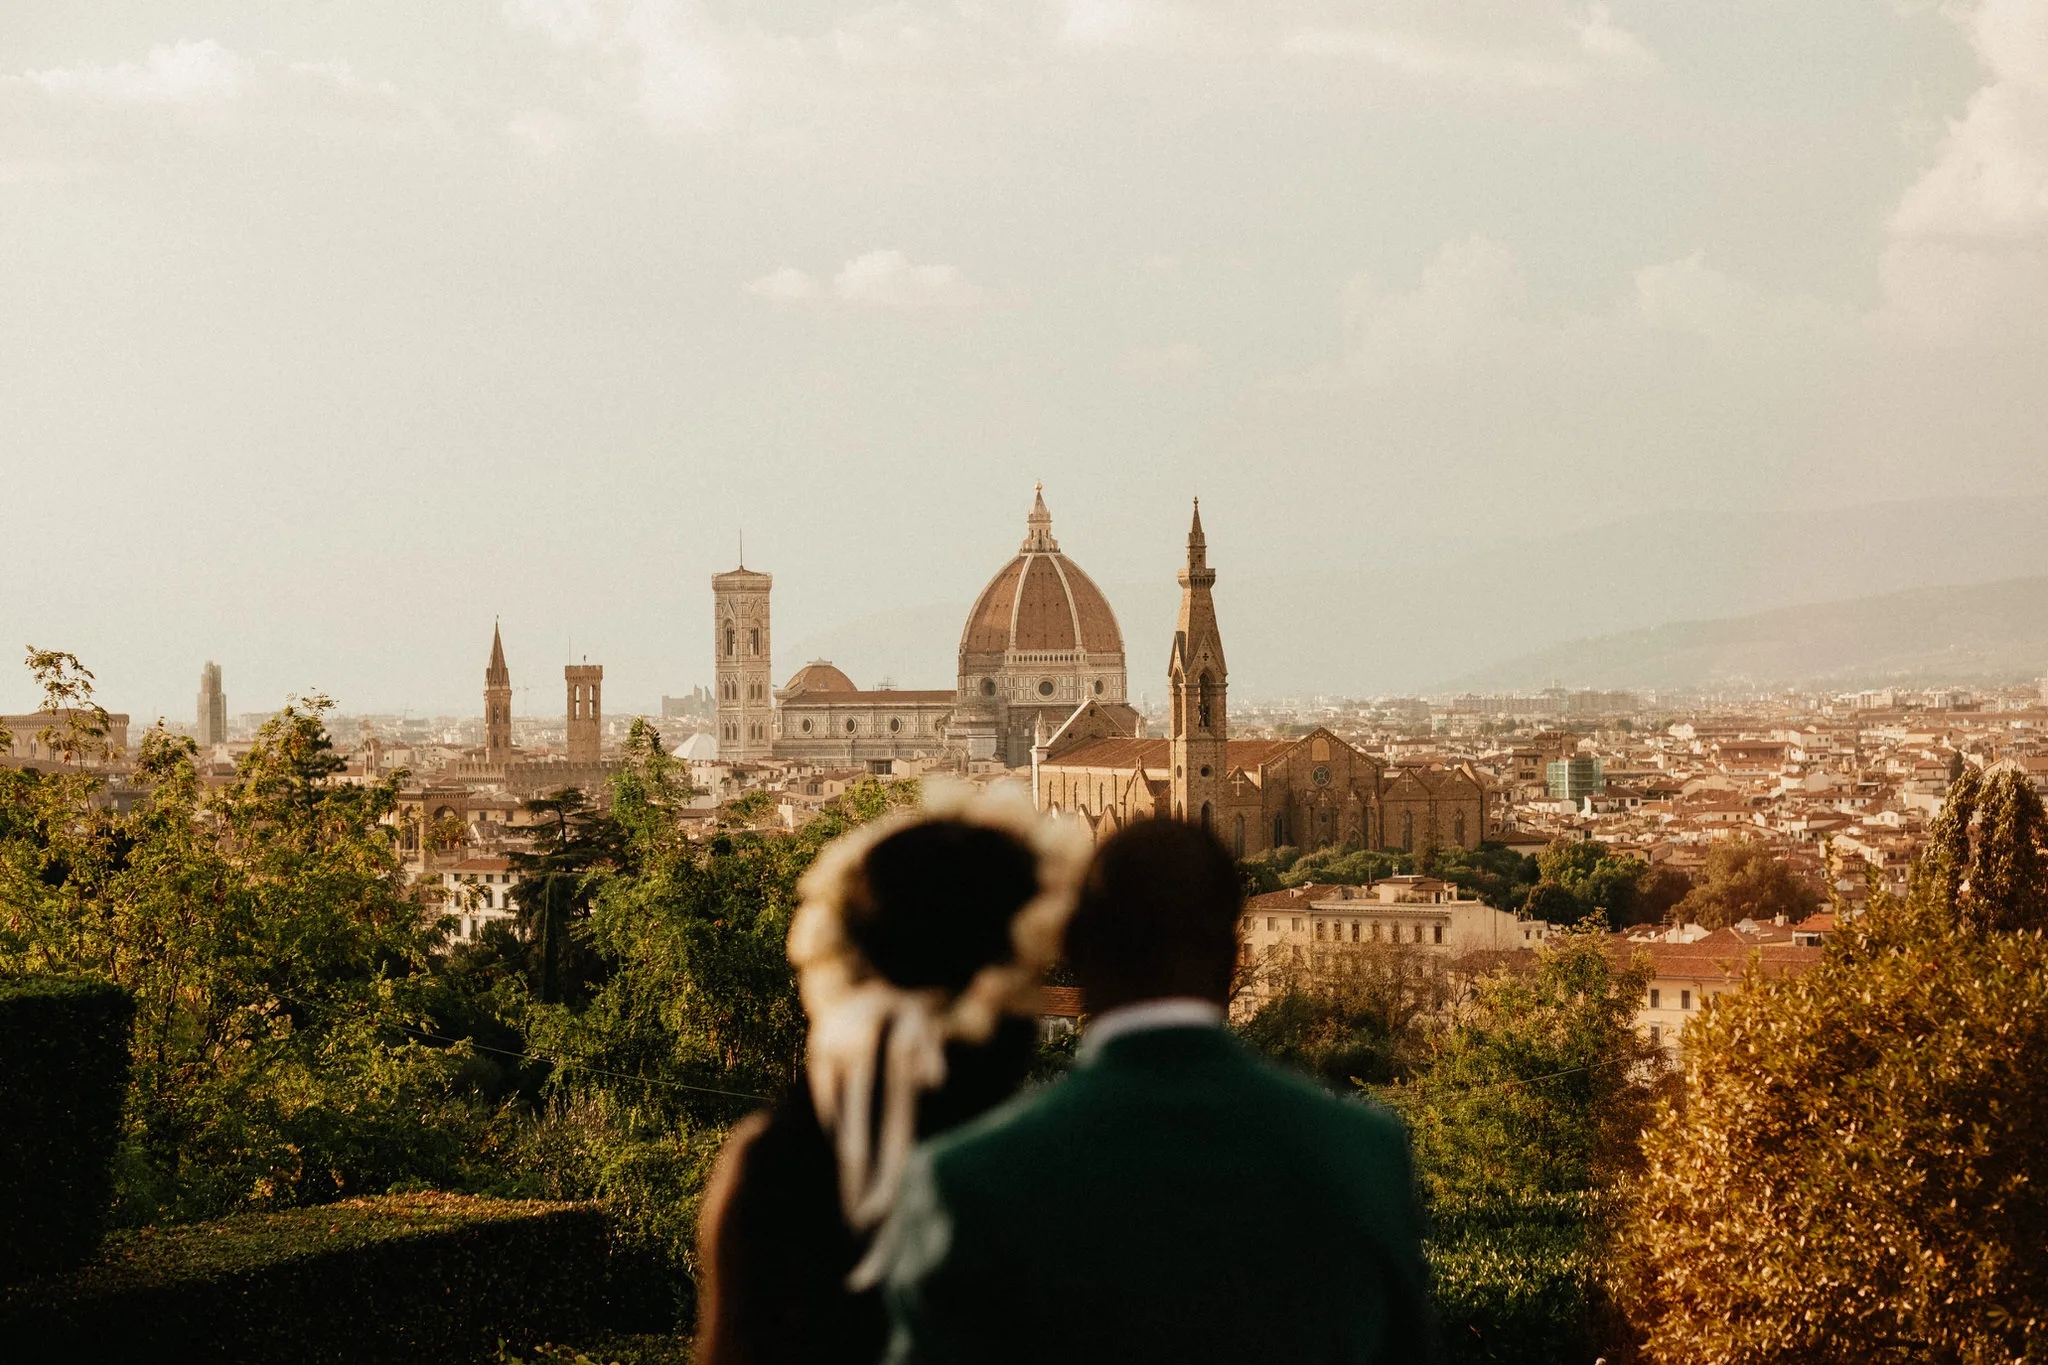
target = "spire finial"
x: 1197, y: 572
x: 1038, y: 526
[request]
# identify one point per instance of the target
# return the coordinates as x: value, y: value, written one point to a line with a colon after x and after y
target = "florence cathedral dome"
x: 1040, y: 641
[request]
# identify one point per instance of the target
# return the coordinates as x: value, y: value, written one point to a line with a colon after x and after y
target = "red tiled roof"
x: 1059, y: 1002
x: 1115, y: 753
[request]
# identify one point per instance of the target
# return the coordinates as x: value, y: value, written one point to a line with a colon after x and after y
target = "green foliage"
x: 1280, y: 868
x: 1853, y: 1171
x: 1743, y: 879
x: 1985, y: 870
x: 1365, y: 1025
x: 1526, y: 1109
x: 1493, y: 872
x: 63, y: 1075
x: 1596, y: 882
x: 576, y: 848
x: 1516, y: 1280
x: 276, y: 962
x: 695, y: 1019
x: 404, y: 1278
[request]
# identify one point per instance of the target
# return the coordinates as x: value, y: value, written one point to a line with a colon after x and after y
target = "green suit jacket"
x: 1174, y: 1199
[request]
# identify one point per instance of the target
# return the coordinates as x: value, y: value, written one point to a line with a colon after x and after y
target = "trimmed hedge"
x: 63, y: 1076
x: 416, y: 1277
x: 1515, y: 1280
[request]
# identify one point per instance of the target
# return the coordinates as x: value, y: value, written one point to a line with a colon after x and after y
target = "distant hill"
x: 1982, y: 633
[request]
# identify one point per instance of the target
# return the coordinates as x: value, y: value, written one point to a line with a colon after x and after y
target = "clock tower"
x: 1197, y: 682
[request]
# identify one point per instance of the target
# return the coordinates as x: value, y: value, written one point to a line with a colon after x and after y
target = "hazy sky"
x: 330, y: 331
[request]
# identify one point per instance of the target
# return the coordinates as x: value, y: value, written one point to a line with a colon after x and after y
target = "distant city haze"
x: 334, y: 334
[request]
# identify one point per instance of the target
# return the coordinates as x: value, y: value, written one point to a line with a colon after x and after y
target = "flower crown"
x: 831, y: 968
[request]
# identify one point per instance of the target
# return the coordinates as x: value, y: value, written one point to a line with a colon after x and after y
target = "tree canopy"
x: 1853, y: 1170
x: 1744, y: 879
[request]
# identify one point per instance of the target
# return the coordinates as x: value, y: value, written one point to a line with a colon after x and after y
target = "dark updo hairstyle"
x: 931, y: 904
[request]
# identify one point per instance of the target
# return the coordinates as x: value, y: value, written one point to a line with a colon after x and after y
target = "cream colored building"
x: 1305, y: 926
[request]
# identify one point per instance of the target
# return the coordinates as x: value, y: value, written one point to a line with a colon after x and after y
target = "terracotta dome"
x: 1041, y: 602
x: 818, y: 676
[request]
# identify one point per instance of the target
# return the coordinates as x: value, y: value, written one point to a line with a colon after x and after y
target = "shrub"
x: 427, y: 1277
x: 1515, y: 1279
x: 63, y: 1073
x: 1853, y: 1172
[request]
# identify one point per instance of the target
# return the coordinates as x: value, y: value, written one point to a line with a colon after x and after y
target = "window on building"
x: 1438, y: 932
x: 1294, y: 954
x: 1685, y: 1000
x: 1656, y: 1036
x: 732, y: 642
x: 1656, y: 998
x: 1375, y: 932
x: 1269, y: 924
x: 1319, y: 929
x: 1418, y: 933
x: 754, y: 640
x: 1297, y: 926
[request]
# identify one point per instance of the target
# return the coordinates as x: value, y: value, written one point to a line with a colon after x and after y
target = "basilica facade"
x: 1312, y: 791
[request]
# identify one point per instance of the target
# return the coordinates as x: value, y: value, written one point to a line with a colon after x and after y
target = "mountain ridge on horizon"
x: 1964, y: 633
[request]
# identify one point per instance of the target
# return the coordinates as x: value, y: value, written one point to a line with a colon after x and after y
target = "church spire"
x: 1198, y: 574
x: 497, y: 703
x: 1198, y: 682
x: 1038, y: 527
x: 497, y: 675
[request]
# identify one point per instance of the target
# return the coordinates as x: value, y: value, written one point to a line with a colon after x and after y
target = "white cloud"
x: 887, y: 279
x: 543, y: 131
x: 1535, y: 49
x: 680, y: 67
x: 1465, y: 295
x: 200, y: 72
x: 881, y: 280
x: 1968, y: 256
x: 787, y: 285
x: 1182, y: 357
x: 1991, y: 177
x: 1614, y: 46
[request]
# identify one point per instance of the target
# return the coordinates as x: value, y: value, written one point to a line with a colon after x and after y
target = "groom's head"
x: 1157, y: 917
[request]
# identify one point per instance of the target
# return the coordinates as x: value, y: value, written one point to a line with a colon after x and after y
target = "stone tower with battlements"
x: 1197, y: 683
x: 740, y: 646
x: 586, y: 711
x: 497, y: 704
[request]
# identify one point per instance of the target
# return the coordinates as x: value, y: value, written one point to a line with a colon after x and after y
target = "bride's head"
x: 961, y: 901
x: 931, y: 904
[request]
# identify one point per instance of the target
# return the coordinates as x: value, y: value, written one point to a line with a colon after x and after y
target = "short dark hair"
x: 931, y: 904
x: 1157, y: 916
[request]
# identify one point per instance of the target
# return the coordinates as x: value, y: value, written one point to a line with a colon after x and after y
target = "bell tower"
x: 586, y: 711
x: 1197, y: 684
x: 497, y: 704
x: 740, y: 646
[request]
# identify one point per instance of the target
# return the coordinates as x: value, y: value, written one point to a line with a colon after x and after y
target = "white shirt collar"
x: 1180, y: 1011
